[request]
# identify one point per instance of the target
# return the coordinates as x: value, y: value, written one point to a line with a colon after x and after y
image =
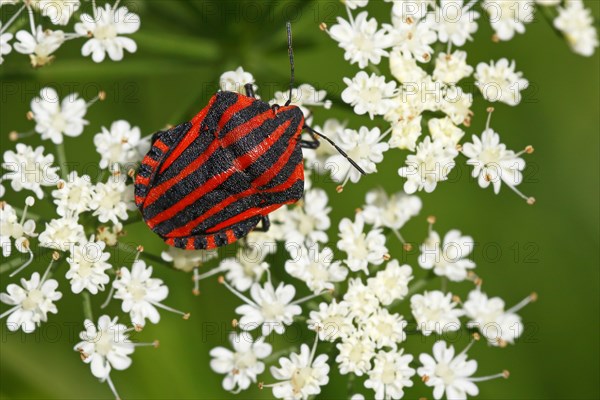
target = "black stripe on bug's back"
x: 235, y: 184
x: 216, y: 164
x: 244, y: 115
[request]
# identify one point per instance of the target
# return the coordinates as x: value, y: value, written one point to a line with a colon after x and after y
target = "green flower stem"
x: 30, y: 215
x: 87, y: 306
x: 373, y: 68
x: 62, y: 160
x: 549, y: 14
x: 12, y: 264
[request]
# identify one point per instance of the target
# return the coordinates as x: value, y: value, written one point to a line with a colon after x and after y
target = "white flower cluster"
x: 423, y: 102
x: 77, y: 234
x: 360, y: 316
x: 104, y: 30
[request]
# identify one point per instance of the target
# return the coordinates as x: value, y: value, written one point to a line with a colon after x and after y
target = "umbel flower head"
x: 105, y: 29
x: 242, y: 365
x: 141, y: 294
x: 31, y: 302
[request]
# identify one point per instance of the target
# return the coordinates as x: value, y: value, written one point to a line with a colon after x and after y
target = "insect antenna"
x: 342, y: 152
x: 291, y: 55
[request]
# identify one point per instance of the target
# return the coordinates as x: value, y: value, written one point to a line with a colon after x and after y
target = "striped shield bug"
x: 212, y: 180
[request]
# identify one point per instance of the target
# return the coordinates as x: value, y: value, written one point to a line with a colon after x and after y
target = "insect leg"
x: 266, y: 224
x: 249, y: 90
x: 310, y: 144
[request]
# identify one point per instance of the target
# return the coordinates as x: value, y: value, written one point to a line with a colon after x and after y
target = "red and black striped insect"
x: 210, y: 181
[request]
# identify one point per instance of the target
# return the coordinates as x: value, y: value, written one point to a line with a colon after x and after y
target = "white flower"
x: 577, y: 24
x: 111, y: 235
x: 390, y: 211
x: 435, y: 312
x: 362, y: 41
x: 391, y: 373
x: 302, y: 374
x: 140, y: 293
x: 391, y: 283
x: 303, y: 96
x: 310, y: 219
x: 500, y: 82
x: 112, y: 199
x: 498, y: 326
x: 39, y: 47
x: 354, y: 4
x: 74, y: 195
x: 405, y: 68
x: 509, y: 17
x: 87, y: 266
x: 5, y: 47
x: 355, y: 353
x: 447, y: 259
x: 234, y: 81
x: 62, y: 234
x: 414, y: 9
x: 316, y: 268
x: 448, y: 373
x: 405, y: 133
x: 59, y: 11
x: 361, y: 248
x: 364, y: 147
x: 451, y: 68
x: 187, y: 260
x: 270, y: 307
x: 29, y: 169
x: 12, y: 228
x: 431, y: 164
x: 385, y: 329
x: 31, y: 302
x: 105, y: 346
x: 492, y: 162
x: 119, y: 144
x: 331, y: 321
x: 242, y: 365
x: 548, y: 3
x: 413, y: 37
x: 54, y: 119
x: 368, y: 94
x: 455, y: 22
x: 444, y: 130
x: 246, y: 268
x: 361, y: 300
x: 456, y: 104
x: 105, y: 27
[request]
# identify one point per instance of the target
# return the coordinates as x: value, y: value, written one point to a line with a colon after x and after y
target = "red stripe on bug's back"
x: 298, y: 174
x: 241, y: 103
x: 246, y: 128
x: 247, y: 159
x: 186, y: 230
x: 230, y: 236
x: 142, y: 180
x: 190, y: 136
x: 251, y: 212
x: 190, y: 244
x: 156, y: 192
x: 208, y: 186
x: 160, y: 145
x: 210, y: 242
x: 269, y: 174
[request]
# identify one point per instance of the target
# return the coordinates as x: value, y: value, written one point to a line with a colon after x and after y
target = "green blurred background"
x: 184, y: 46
